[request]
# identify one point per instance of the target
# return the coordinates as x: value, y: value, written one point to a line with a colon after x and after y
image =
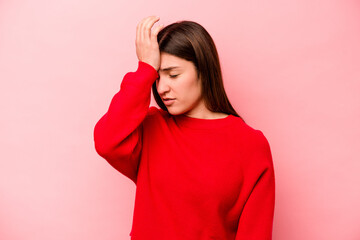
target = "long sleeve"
x: 118, y: 133
x: 256, y: 220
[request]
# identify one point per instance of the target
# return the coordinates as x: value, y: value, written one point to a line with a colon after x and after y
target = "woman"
x: 200, y: 171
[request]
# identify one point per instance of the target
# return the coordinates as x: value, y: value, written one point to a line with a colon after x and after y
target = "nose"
x: 162, y: 86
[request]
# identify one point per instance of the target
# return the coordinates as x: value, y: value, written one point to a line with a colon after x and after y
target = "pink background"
x: 291, y: 69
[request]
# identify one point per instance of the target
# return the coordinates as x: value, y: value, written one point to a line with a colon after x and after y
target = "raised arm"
x: 118, y: 133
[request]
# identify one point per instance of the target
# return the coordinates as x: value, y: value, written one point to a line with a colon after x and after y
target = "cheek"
x: 189, y: 89
x: 194, y: 85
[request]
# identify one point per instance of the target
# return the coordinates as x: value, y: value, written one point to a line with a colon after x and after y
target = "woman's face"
x: 178, y: 80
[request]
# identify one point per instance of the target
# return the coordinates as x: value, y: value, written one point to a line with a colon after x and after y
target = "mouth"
x: 168, y: 101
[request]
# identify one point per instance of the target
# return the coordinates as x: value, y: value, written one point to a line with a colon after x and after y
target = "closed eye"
x: 174, y: 76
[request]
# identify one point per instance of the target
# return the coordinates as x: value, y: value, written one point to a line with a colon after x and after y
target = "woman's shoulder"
x: 258, y: 144
x: 253, y: 137
x: 156, y: 116
x: 156, y: 112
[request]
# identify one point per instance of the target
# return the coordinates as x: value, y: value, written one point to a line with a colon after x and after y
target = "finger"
x: 156, y: 32
x: 139, y: 30
x: 148, y: 25
x: 137, y: 39
x: 141, y: 24
x: 146, y: 28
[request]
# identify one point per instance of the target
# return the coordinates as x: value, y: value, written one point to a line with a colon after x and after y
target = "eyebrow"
x: 169, y: 68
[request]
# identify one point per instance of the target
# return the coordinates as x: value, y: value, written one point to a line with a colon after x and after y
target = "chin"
x: 173, y: 112
x: 177, y: 112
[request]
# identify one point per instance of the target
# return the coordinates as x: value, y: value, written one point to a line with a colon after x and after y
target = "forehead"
x: 170, y: 62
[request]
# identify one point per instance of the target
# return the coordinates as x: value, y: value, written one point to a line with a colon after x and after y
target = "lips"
x: 168, y: 101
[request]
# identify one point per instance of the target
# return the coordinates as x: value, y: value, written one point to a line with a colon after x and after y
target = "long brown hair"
x: 190, y: 41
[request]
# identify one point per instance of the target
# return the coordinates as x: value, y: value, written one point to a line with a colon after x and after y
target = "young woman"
x: 200, y: 171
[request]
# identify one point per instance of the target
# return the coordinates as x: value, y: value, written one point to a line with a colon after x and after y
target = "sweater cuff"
x: 148, y: 69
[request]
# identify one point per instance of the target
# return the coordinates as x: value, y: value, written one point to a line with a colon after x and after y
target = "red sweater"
x: 196, y: 179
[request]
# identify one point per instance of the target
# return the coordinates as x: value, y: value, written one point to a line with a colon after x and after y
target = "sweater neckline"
x: 200, y: 123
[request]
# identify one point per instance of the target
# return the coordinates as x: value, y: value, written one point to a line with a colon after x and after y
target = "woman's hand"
x: 147, y: 47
